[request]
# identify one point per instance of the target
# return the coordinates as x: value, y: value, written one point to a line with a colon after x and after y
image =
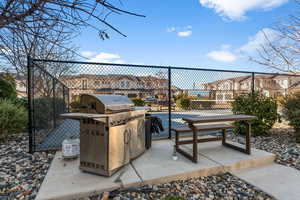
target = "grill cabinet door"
x: 119, y: 138
x: 93, y: 146
x: 137, y: 140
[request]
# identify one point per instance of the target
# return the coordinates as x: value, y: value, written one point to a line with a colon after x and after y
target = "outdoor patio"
x: 140, y: 100
x: 64, y: 180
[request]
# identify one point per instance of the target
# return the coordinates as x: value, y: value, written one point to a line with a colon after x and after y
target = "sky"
x: 215, y: 34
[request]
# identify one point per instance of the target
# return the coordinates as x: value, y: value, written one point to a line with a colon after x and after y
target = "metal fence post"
x: 170, y: 108
x: 68, y: 90
x: 64, y: 99
x: 54, y: 103
x: 30, y: 109
x: 253, y: 83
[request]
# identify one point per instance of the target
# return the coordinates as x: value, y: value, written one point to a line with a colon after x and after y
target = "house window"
x: 228, y: 96
x: 124, y: 84
x: 226, y: 87
x: 220, y: 97
x: 98, y: 83
x: 84, y: 84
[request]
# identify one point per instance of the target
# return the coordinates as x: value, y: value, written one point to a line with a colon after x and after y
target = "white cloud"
x: 223, y: 56
x: 225, y: 46
x: 88, y: 53
x: 259, y: 39
x: 107, y: 58
x: 171, y: 29
x: 184, y: 33
x: 227, y: 54
x: 236, y: 9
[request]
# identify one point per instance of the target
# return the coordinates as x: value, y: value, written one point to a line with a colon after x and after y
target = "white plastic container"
x: 70, y: 148
x: 174, y: 155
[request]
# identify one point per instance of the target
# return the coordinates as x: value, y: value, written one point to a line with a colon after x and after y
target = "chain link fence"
x: 170, y: 93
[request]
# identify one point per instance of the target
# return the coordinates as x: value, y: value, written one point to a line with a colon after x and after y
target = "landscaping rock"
x: 281, y: 142
x: 21, y: 173
x: 224, y: 186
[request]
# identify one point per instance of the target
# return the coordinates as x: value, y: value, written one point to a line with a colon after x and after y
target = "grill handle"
x: 119, y: 109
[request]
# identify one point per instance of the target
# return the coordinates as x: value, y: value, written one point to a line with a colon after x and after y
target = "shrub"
x: 20, y: 101
x: 179, y: 96
x: 264, y: 108
x: 44, y: 111
x: 280, y: 100
x: 138, y: 101
x: 75, y: 106
x: 291, y: 112
x: 7, y: 86
x: 183, y: 103
x: 203, y: 104
x: 206, y: 104
x: 13, y: 118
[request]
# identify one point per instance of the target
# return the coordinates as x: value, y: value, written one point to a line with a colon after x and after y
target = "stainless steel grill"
x: 112, y: 132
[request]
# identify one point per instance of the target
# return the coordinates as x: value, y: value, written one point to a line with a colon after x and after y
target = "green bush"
x: 183, y: 103
x: 75, y: 106
x: 291, y: 112
x: 207, y: 104
x: 202, y: 104
x: 13, y: 118
x: 20, y: 101
x: 179, y: 96
x: 138, y: 101
x: 264, y: 108
x: 7, y: 86
x: 44, y: 111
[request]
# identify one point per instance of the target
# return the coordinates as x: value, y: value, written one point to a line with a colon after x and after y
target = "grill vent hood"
x: 105, y: 104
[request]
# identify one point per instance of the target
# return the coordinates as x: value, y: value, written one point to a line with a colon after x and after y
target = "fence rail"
x: 168, y: 92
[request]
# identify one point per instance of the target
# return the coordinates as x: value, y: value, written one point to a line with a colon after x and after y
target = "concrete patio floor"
x: 280, y: 181
x: 65, y: 181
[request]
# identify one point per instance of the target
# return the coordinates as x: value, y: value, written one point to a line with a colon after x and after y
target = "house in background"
x: 21, y: 85
x: 269, y: 85
x: 130, y: 85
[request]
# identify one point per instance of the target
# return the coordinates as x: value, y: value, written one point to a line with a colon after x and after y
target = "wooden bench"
x: 210, y: 127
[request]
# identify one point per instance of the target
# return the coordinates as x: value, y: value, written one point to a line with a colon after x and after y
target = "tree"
x: 44, y: 29
x: 281, y: 51
x: 7, y: 86
x: 53, y: 13
x: 43, y: 44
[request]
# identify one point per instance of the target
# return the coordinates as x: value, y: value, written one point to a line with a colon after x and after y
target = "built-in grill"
x: 112, y: 132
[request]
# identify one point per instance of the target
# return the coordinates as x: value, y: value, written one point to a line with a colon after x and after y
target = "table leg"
x: 176, y: 139
x: 248, y: 138
x: 246, y: 150
x: 223, y: 136
x: 195, y: 144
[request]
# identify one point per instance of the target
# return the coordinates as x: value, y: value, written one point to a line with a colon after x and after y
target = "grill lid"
x: 103, y: 104
x: 113, y: 100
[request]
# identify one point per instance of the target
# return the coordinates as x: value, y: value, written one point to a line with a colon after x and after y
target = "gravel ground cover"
x: 224, y: 186
x: 281, y: 142
x: 21, y: 173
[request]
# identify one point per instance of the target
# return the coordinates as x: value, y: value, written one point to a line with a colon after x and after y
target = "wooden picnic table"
x: 192, y: 121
